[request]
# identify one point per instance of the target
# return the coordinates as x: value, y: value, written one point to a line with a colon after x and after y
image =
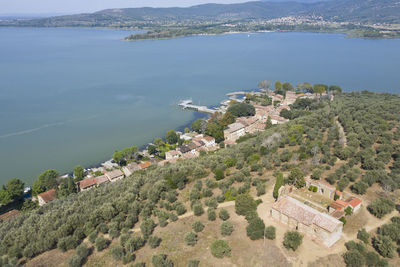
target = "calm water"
x: 73, y: 96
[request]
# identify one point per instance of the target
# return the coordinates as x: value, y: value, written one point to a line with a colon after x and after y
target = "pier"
x: 188, y: 104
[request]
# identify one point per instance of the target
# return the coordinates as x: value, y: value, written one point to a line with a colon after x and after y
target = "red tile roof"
x: 145, y: 165
x: 339, y: 204
x: 88, y: 182
x: 101, y: 179
x: 339, y: 193
x: 9, y: 214
x: 354, y: 202
x: 48, y: 196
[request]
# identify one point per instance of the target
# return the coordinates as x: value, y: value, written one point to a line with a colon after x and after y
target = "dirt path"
x: 342, y: 135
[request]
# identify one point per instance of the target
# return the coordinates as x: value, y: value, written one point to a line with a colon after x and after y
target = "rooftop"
x: 305, y: 214
x: 48, y: 195
x: 145, y: 165
x: 354, y: 201
x: 101, y: 179
x: 9, y: 214
x: 88, y: 182
x: 133, y: 166
x: 114, y: 174
x: 236, y: 126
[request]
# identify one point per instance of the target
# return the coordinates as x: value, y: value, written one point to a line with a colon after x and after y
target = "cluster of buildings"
x: 191, y: 148
x: 324, y: 227
x: 245, y: 125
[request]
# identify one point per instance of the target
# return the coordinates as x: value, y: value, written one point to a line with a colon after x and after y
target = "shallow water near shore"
x: 72, y: 96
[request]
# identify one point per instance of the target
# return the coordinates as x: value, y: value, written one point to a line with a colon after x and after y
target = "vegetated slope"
x: 358, y: 11
x: 363, y: 11
x: 371, y: 122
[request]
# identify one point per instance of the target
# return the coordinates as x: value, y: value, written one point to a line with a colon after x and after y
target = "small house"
x: 101, y: 179
x: 145, y: 165
x: 114, y: 175
x: 172, y: 154
x: 234, y: 131
x: 131, y: 168
x: 86, y: 184
x: 47, y: 197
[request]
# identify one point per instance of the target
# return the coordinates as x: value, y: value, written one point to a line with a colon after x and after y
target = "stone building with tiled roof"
x: 114, y: 175
x: 46, y: 197
x: 298, y: 216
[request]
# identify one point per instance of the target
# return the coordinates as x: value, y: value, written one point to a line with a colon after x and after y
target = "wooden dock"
x: 188, y: 104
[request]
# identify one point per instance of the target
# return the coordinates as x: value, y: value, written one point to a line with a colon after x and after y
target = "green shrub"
x: 147, y: 227
x: 371, y: 259
x: 363, y: 235
x: 83, y: 251
x: 226, y: 228
x: 244, y: 204
x: 75, y: 261
x: 292, y: 240
x: 190, y: 239
x: 255, y: 229
x: 101, y: 243
x: 315, y: 189
x: 134, y: 243
x: 219, y: 174
x: 193, y: 263
x: 384, y: 246
x: 381, y: 206
x: 211, y: 215
x: 270, y: 232
x: 117, y: 252
x: 67, y: 243
x: 348, y: 210
x: 173, y: 217
x: 113, y: 232
x: 180, y: 209
x: 154, y: 241
x: 128, y: 258
x: 102, y: 228
x: 198, y: 209
x: 220, y: 249
x: 161, y: 260
x: 92, y: 237
x: 260, y: 189
x: 353, y: 258
x: 207, y: 192
x: 197, y: 226
x: 223, y: 214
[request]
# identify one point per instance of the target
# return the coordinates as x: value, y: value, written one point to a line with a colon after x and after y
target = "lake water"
x: 73, y: 96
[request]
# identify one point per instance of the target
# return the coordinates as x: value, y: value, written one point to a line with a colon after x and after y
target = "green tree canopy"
x: 241, y: 109
x: 292, y: 240
x: 197, y: 125
x: 79, y: 173
x: 296, y: 177
x: 45, y: 181
x: 244, y: 203
x: 15, y: 188
x: 255, y: 229
x: 171, y: 137
x: 4, y: 196
x: 220, y: 248
x: 278, y: 86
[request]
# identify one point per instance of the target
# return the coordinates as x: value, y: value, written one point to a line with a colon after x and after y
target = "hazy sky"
x: 77, y: 6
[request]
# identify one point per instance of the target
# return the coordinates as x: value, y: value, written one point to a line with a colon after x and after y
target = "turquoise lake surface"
x: 72, y: 96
